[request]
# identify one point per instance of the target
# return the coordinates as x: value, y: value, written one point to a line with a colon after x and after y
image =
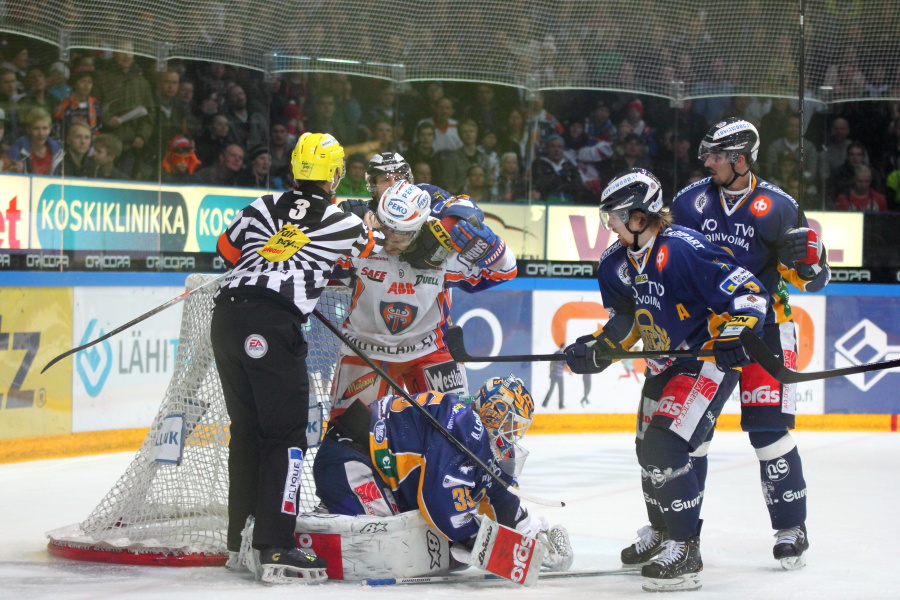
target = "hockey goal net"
x: 170, y: 506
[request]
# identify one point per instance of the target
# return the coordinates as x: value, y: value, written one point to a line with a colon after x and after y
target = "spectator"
x: 598, y: 126
x: 9, y: 100
x: 485, y: 111
x: 36, y: 93
x: 861, y: 196
x: 788, y: 179
x: 256, y: 175
x: 489, y: 146
x: 446, y: 135
x: 511, y: 184
x: 347, y: 109
x: 326, y: 120
x: 689, y: 123
x: 675, y: 162
x: 790, y: 143
x: 4, y: 143
x: 634, y: 116
x: 555, y: 176
x: 843, y: 178
x: 58, y: 82
x: 575, y: 138
x: 213, y: 141
x: 107, y: 149
x: 516, y: 137
x: 422, y: 173
x: 774, y: 123
x: 422, y: 151
x: 892, y: 189
x: 76, y: 162
x: 634, y: 156
x: 79, y: 107
x: 835, y: 151
x: 353, y: 185
x: 250, y: 127
x: 476, y: 186
x: 180, y: 161
x: 280, y: 146
x: 540, y: 118
x: 17, y: 61
x: 386, y: 107
x: 170, y: 118
x: 457, y: 163
x: 35, y: 153
x: 384, y: 135
x: 225, y: 170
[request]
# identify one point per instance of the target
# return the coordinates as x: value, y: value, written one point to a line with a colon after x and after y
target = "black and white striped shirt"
x: 286, y: 245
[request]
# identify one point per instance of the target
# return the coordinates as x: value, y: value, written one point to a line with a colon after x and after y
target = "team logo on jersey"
x: 761, y: 206
x: 256, y: 346
x: 359, y: 385
x: 284, y: 244
x: 398, y: 315
x: 700, y: 202
x: 622, y: 272
x: 662, y: 257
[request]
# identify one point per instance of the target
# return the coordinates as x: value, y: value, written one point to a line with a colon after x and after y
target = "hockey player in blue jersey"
x: 764, y: 229
x: 387, y: 459
x: 673, y: 289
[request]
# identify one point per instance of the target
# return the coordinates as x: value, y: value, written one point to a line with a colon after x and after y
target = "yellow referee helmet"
x: 316, y: 157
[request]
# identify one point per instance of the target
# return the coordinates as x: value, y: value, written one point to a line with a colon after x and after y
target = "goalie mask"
x: 391, y: 164
x: 506, y: 408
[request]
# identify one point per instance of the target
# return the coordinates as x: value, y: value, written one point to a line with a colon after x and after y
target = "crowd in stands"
x: 114, y: 116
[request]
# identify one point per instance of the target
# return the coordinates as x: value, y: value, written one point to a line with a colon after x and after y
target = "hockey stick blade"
x: 456, y: 344
x: 133, y: 322
x: 427, y: 415
x: 757, y: 349
x: 545, y: 575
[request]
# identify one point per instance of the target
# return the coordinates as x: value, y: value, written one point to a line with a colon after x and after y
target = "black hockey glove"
x: 430, y: 248
x: 356, y: 206
x: 586, y: 355
x: 727, y: 348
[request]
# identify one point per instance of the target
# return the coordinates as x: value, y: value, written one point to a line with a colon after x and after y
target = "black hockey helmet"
x: 732, y: 136
x: 387, y: 163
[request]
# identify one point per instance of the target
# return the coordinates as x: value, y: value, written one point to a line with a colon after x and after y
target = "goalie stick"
x: 143, y: 317
x: 757, y: 349
x: 428, y: 416
x: 457, y: 346
x: 545, y: 575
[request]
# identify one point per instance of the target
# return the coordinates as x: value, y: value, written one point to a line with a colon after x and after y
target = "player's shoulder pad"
x: 457, y: 206
x: 611, y: 250
x: 771, y: 189
x: 697, y: 194
x: 436, y: 193
x: 692, y: 238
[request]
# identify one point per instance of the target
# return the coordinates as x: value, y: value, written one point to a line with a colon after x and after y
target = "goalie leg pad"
x: 508, y: 553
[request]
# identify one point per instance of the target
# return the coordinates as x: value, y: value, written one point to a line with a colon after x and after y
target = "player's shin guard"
x: 781, y: 475
x: 700, y: 465
x: 654, y: 512
x: 674, y: 481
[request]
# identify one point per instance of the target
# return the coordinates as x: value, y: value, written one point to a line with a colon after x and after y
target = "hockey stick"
x: 428, y: 416
x: 757, y: 349
x: 457, y: 347
x: 143, y: 317
x: 492, y: 577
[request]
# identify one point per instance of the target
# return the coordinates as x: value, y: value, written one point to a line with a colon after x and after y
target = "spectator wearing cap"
x: 599, y: 126
x: 76, y: 162
x: 180, y: 161
x: 58, y: 87
x: 79, y: 107
x: 634, y: 117
x: 555, y: 176
x: 354, y: 184
x: 225, y: 170
x: 35, y: 153
x: 256, y: 174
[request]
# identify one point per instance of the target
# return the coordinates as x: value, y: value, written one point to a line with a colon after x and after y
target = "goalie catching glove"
x: 476, y: 243
x: 586, y: 355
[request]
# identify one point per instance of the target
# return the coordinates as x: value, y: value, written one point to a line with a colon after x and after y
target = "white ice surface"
x: 853, y: 503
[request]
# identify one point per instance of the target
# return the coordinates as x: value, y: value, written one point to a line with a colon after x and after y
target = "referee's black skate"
x: 790, y: 545
x: 291, y: 565
x: 649, y: 544
x: 676, y: 569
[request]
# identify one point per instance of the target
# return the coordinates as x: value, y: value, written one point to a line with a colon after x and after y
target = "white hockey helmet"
x: 403, y: 209
x: 732, y: 137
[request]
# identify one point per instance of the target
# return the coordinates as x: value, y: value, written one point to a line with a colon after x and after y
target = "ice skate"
x: 648, y: 545
x: 291, y: 565
x: 790, y: 545
x: 676, y: 569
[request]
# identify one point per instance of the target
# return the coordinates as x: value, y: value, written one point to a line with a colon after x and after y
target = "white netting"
x: 168, y: 508
x: 739, y: 47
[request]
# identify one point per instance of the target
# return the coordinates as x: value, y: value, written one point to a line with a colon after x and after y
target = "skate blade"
x: 285, y: 574
x: 792, y: 563
x: 683, y: 583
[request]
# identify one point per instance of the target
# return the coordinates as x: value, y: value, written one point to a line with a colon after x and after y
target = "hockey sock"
x: 700, y: 464
x: 654, y: 512
x: 668, y: 465
x: 781, y: 475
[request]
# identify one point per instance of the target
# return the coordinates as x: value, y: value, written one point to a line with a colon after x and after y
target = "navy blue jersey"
x: 678, y: 296
x: 752, y: 230
x: 426, y: 472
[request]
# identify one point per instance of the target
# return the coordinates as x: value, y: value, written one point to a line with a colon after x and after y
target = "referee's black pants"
x: 267, y: 396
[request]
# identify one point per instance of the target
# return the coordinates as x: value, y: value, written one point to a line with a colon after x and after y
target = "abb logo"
x: 400, y: 287
x: 9, y: 220
x: 761, y: 396
x: 521, y: 559
x: 668, y: 407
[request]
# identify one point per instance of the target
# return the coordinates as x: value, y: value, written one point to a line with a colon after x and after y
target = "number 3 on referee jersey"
x: 299, y: 210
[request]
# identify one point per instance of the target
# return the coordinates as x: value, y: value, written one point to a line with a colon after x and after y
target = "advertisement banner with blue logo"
x: 494, y: 323
x: 862, y: 330
x: 121, y: 382
x: 35, y: 326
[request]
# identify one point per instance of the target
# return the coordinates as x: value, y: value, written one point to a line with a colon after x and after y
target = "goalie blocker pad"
x: 507, y: 553
x: 361, y: 547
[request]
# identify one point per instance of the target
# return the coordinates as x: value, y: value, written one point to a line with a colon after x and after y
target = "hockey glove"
x: 356, y: 206
x: 586, y: 355
x: 727, y: 348
x: 804, y: 248
x: 430, y: 248
x: 477, y: 244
